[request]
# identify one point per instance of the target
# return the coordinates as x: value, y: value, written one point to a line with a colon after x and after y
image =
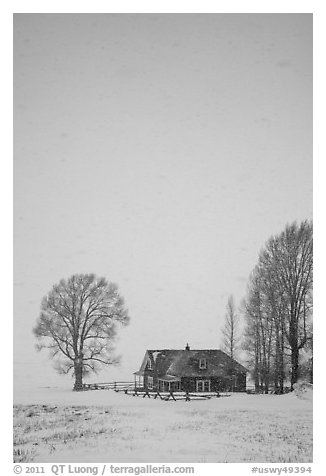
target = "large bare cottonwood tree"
x: 78, y: 323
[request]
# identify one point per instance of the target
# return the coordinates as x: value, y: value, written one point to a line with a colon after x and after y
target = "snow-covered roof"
x: 185, y: 363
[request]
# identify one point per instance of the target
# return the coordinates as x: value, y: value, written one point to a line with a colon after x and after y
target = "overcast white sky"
x: 160, y: 151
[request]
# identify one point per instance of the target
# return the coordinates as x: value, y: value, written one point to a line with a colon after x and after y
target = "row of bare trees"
x: 277, y: 310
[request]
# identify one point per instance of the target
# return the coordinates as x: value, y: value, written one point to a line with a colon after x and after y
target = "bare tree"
x: 231, y: 334
x: 259, y: 331
x: 78, y: 322
x: 251, y: 342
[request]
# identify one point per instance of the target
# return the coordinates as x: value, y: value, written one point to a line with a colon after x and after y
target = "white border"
x: 160, y: 6
x: 6, y: 188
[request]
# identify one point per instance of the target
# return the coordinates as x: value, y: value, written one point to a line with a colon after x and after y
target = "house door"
x: 203, y: 386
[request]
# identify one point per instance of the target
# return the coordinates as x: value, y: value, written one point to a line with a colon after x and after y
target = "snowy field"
x: 58, y: 425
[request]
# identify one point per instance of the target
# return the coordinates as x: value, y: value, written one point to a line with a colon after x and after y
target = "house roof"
x: 170, y: 378
x: 185, y: 363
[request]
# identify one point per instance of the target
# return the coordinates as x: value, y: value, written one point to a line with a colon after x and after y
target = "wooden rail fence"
x: 129, y: 388
x: 118, y: 386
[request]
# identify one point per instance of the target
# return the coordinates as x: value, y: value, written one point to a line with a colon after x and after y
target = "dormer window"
x: 202, y: 363
x: 149, y: 364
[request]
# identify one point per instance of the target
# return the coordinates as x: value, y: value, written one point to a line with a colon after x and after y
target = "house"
x: 190, y: 371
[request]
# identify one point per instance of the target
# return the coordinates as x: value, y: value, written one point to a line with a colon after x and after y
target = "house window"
x: 150, y: 382
x: 202, y: 363
x: 203, y: 386
x: 171, y: 386
x: 149, y: 364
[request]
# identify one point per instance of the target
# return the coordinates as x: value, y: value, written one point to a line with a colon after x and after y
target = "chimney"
x: 187, y: 347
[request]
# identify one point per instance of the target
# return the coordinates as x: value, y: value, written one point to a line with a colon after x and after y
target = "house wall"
x: 189, y: 384
x: 217, y: 384
x: 150, y: 373
x: 227, y: 383
x: 241, y: 382
x: 237, y: 383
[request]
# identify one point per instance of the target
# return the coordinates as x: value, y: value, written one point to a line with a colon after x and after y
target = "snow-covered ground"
x: 58, y: 425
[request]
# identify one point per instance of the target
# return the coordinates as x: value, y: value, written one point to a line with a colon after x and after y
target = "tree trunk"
x: 280, y: 375
x: 78, y: 386
x: 277, y: 361
x: 295, y: 366
x: 256, y: 363
x: 281, y: 363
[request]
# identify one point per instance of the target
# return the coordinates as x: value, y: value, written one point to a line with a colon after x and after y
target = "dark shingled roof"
x: 185, y: 363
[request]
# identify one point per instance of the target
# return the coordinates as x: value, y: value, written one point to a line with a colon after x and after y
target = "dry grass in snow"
x: 102, y: 426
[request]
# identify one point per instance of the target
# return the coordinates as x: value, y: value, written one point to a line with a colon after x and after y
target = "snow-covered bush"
x: 303, y: 389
